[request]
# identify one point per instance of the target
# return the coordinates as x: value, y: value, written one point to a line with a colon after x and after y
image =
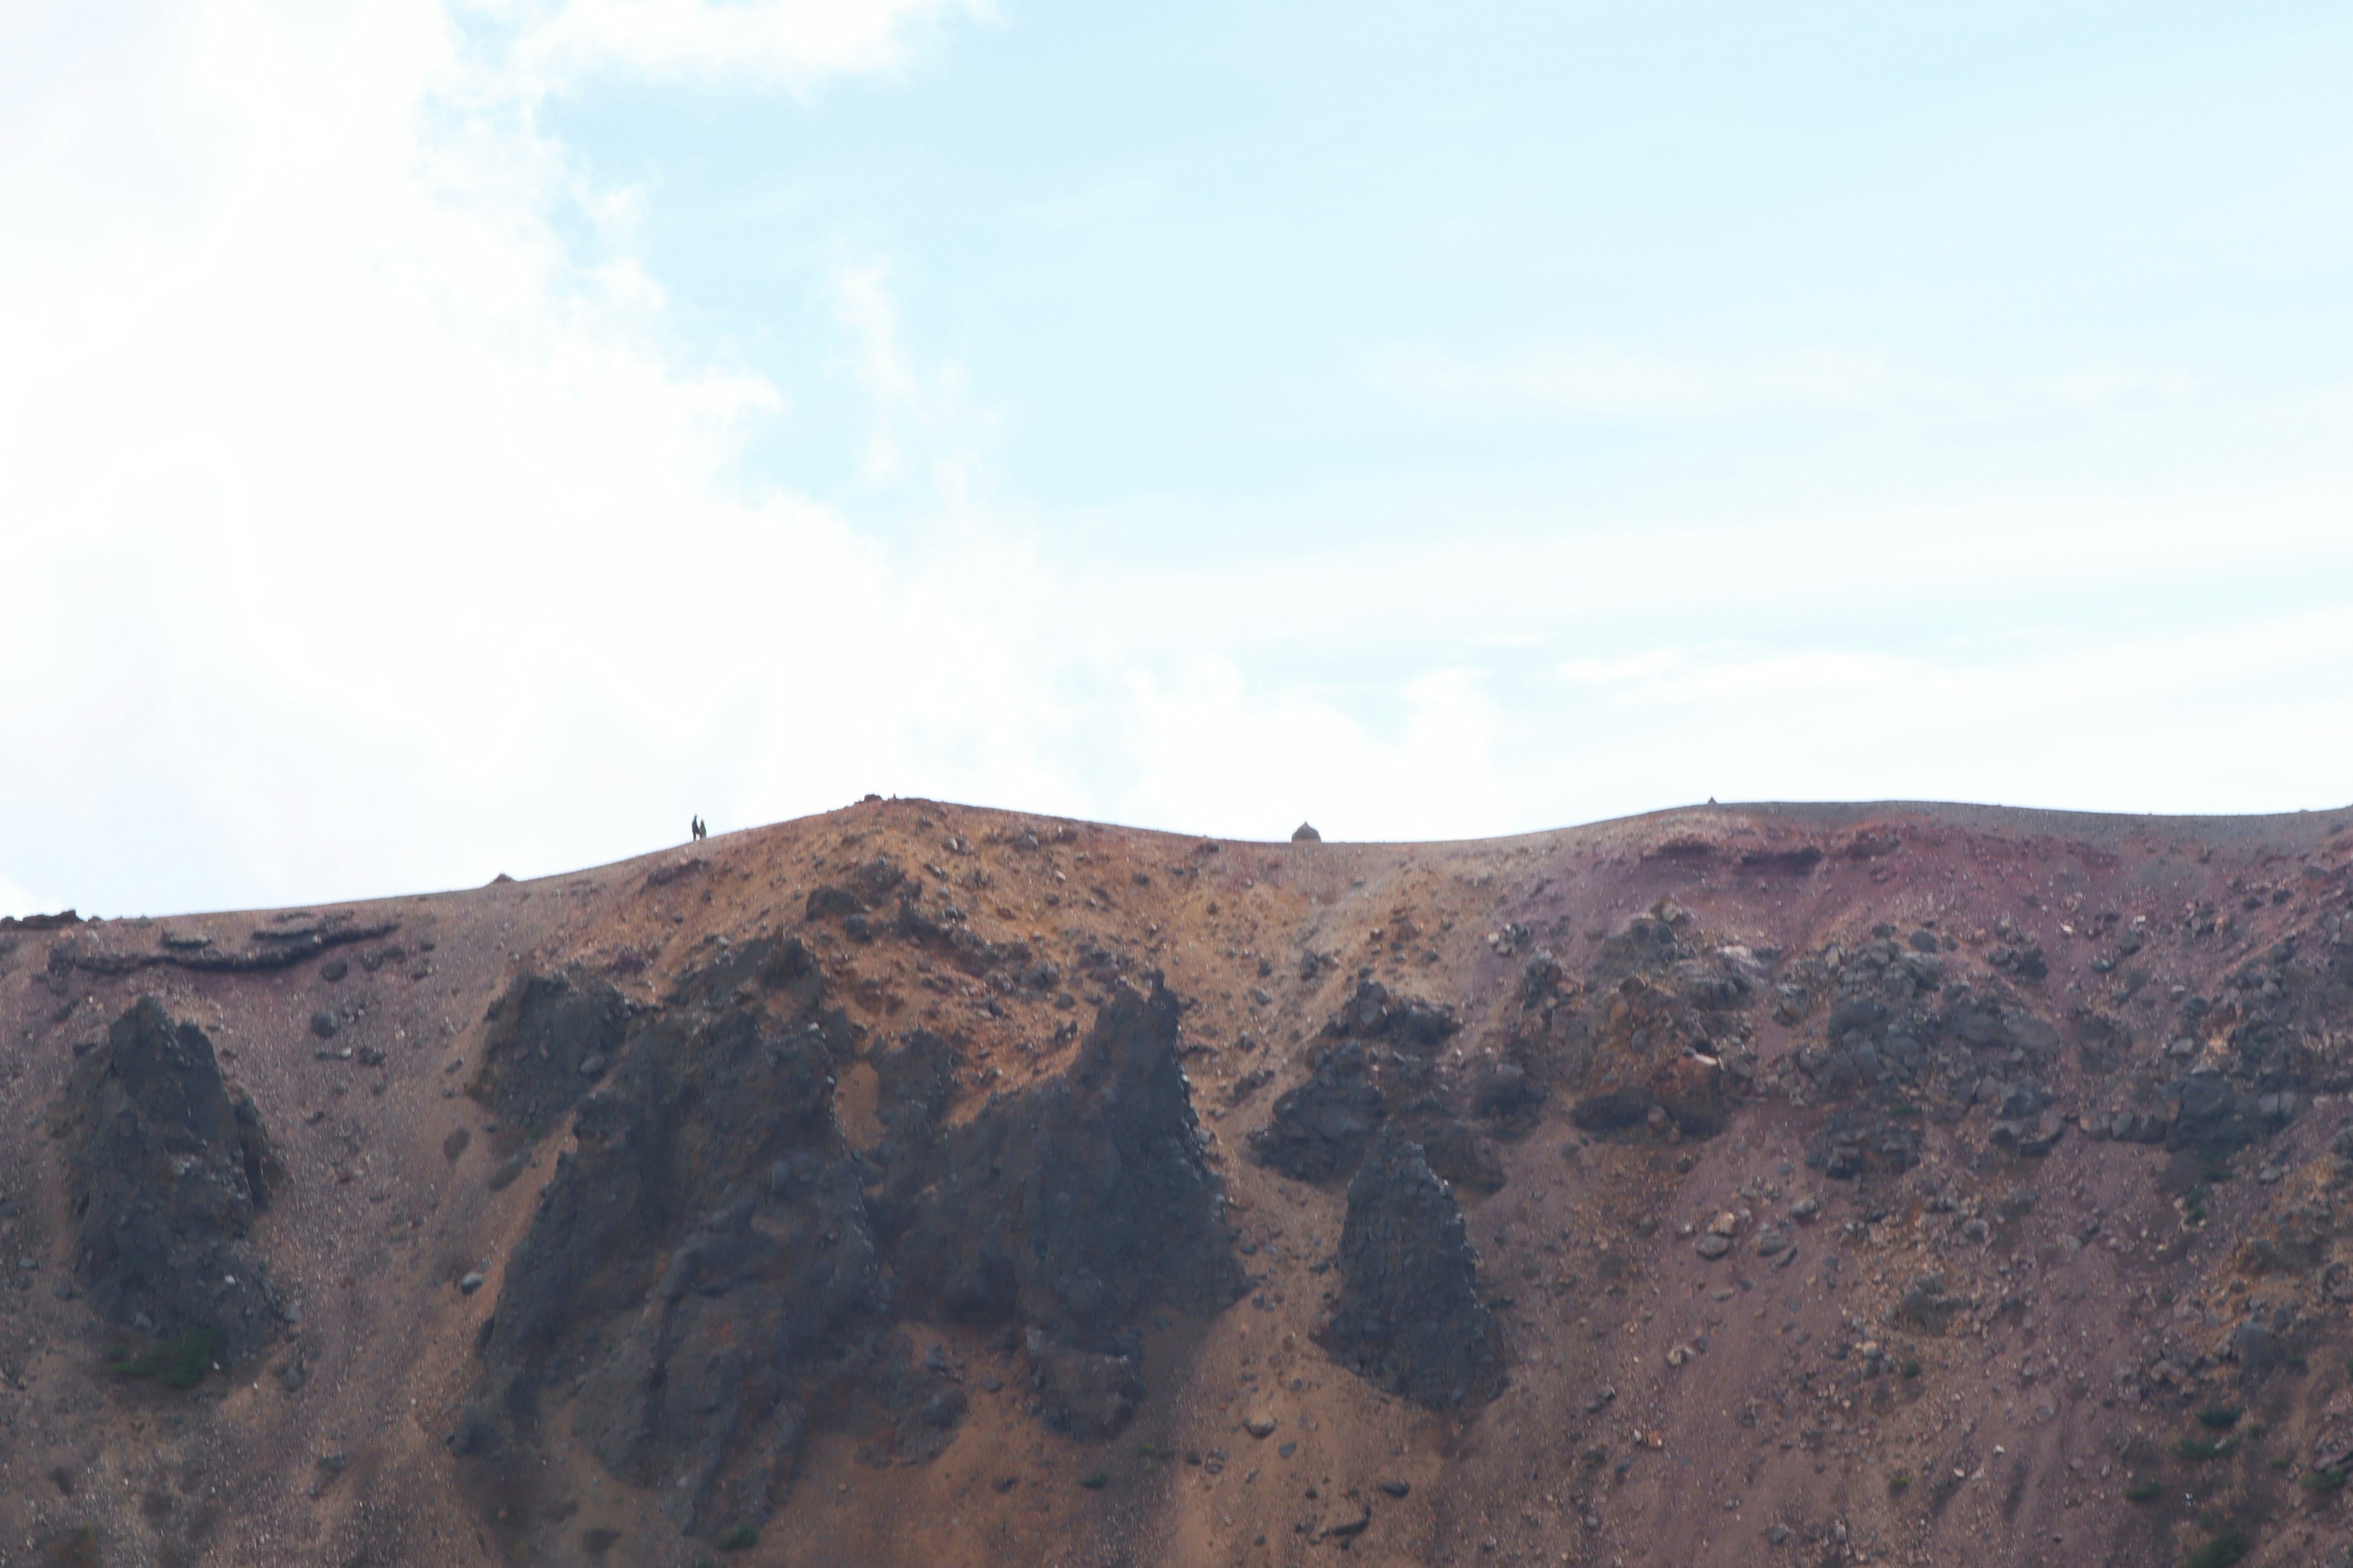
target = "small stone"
x: 470, y: 1283
x: 1712, y: 1245
x: 592, y: 1064
x: 1770, y: 1240
x: 1778, y: 1535
x: 1396, y: 1488
x: 1259, y: 1426
x: 323, y: 1024
x: 333, y: 968
x: 1284, y: 1450
x: 1805, y: 1208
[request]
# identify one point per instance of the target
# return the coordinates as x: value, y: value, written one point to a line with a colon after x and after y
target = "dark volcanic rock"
x: 701, y: 1267
x: 1322, y: 1128
x: 1410, y: 1317
x: 1375, y: 1070
x: 1075, y: 1204
x: 1853, y: 1143
x: 167, y: 1169
x: 714, y: 1271
x: 550, y: 1038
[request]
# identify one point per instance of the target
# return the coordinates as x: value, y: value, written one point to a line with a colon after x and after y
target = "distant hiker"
x: 701, y: 832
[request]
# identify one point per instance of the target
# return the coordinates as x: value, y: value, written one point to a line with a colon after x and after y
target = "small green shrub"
x: 179, y: 1362
x: 2320, y: 1483
x: 1096, y: 1481
x: 2278, y: 1462
x: 2199, y: 1449
x: 2220, y: 1553
x: 1911, y: 1367
x: 1898, y: 1482
x: 2219, y: 1418
x: 742, y: 1538
x: 2143, y: 1491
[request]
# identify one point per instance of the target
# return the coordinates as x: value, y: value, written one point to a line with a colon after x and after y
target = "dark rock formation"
x: 277, y: 946
x: 1375, y: 1069
x: 1321, y: 1129
x: 167, y: 1169
x: 701, y: 1268
x: 715, y: 1272
x: 1072, y: 1206
x: 1410, y: 1317
x: 550, y: 1038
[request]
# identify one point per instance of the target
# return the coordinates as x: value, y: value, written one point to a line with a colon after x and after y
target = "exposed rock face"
x: 701, y: 1267
x: 167, y: 1170
x: 1376, y: 1069
x: 550, y: 1038
x: 1071, y: 1207
x: 715, y: 1271
x: 1666, y: 1041
x: 1411, y: 1316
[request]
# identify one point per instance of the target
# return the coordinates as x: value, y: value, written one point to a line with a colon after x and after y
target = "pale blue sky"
x: 440, y: 439
x: 1174, y: 247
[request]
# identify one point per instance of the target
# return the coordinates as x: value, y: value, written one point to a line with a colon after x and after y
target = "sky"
x: 464, y: 437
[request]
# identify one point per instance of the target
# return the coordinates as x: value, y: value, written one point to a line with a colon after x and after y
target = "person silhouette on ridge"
x: 701, y: 832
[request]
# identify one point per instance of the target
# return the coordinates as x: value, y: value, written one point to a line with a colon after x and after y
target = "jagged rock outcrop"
x: 701, y: 1268
x: 1070, y: 1206
x: 552, y: 1037
x: 1664, y: 1042
x: 167, y: 1169
x: 1378, y: 1068
x: 715, y: 1271
x: 1410, y: 1317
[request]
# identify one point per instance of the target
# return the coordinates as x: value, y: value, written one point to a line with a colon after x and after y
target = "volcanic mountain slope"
x: 918, y: 1184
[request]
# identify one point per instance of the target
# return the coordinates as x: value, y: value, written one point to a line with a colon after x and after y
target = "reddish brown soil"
x: 1741, y: 1428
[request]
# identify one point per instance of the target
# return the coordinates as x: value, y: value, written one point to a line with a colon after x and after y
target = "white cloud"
x: 1213, y: 749
x: 926, y: 408
x: 790, y: 43
x: 15, y: 900
x: 346, y: 501
x: 364, y: 529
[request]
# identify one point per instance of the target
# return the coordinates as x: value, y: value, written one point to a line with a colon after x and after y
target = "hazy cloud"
x: 788, y: 43
x: 1608, y: 380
